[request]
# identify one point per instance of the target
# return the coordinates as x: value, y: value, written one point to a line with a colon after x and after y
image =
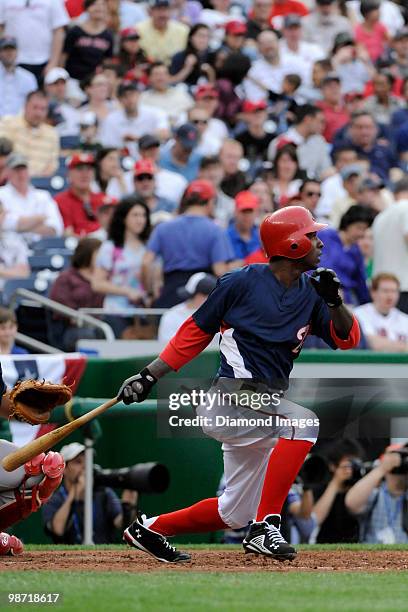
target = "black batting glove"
x: 137, y: 387
x: 327, y: 285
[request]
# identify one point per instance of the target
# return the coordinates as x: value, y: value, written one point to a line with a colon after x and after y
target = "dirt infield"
x: 131, y: 561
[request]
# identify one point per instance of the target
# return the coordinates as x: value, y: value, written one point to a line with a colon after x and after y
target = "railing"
x: 35, y: 345
x: 70, y: 313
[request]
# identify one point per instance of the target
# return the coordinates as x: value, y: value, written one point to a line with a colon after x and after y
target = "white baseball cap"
x: 55, y: 74
x: 70, y: 451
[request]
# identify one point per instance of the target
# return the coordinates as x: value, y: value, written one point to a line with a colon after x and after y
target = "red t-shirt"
x: 288, y: 7
x: 74, y: 7
x: 335, y: 118
x: 374, y: 41
x: 74, y: 213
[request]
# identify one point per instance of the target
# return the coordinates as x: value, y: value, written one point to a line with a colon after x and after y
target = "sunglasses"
x: 144, y: 177
x: 313, y: 193
x: 199, y: 121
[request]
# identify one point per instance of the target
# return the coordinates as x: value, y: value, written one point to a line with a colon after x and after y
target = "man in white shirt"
x: 123, y: 128
x: 171, y: 100
x: 29, y: 211
x: 390, y: 234
x: 323, y: 24
x: 267, y: 72
x: 384, y: 326
x: 195, y: 292
x: 293, y: 47
x: 67, y: 117
x: 15, y: 82
x: 38, y: 26
x: 333, y: 187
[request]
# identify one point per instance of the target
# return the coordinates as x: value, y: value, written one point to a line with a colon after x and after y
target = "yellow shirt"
x: 39, y: 145
x: 161, y: 46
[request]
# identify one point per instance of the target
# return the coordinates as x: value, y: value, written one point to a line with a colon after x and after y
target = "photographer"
x: 335, y: 523
x: 63, y: 514
x: 380, y: 499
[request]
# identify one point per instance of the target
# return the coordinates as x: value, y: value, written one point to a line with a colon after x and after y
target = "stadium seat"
x: 69, y: 142
x: 54, y: 244
x: 53, y: 184
x: 48, y: 261
x: 34, y: 282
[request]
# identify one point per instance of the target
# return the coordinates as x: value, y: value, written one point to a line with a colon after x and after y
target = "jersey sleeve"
x: 211, y: 314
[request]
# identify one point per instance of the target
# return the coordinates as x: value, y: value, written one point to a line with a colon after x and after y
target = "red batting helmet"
x: 283, y: 233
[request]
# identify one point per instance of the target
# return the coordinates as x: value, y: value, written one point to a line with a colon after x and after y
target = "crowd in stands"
x: 159, y: 134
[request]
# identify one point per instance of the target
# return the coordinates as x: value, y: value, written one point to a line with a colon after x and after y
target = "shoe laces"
x: 275, y: 535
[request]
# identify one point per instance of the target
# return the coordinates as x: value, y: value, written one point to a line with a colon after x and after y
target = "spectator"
x: 255, y: 139
x: 398, y: 53
x: 267, y: 73
x: 401, y: 116
x: 293, y: 46
x: 366, y: 247
x: 211, y: 170
x: 234, y: 179
x: 379, y: 500
x: 62, y: 114
x: 351, y: 178
x: 342, y: 254
x: 390, y: 14
x: 122, y: 128
x: 118, y: 265
x: 362, y: 135
x: 335, y: 114
x: 260, y: 188
x: 332, y: 186
x: 195, y: 292
x: 96, y: 87
x: 188, y: 65
x: 78, y: 205
x: 31, y: 135
x: 29, y: 211
x: 89, y: 43
x: 15, y: 82
x: 311, y: 147
x: 207, y: 97
x: 281, y: 8
x: 73, y: 288
x: 390, y: 231
x: 371, y: 33
x: 286, y: 175
x: 384, y: 326
x: 160, y: 36
x: 179, y: 155
x: 208, y: 143
x: 6, y: 147
x: 216, y: 17
x: 322, y: 26
x: 63, y: 513
x: 190, y: 243
x: 131, y: 56
x: 352, y: 63
x: 39, y: 31
x: 8, y: 332
x: 13, y: 254
x: 320, y: 70
x: 145, y: 187
x: 161, y: 95
x: 88, y: 133
x: 309, y: 195
x: 242, y: 231
x: 335, y: 522
x: 109, y: 176
x: 383, y: 103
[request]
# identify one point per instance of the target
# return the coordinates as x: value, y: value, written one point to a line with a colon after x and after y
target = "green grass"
x: 199, y: 592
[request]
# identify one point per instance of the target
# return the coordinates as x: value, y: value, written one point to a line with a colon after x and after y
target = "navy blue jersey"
x: 263, y: 323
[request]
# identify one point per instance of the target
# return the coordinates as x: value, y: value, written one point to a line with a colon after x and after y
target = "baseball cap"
x: 197, y: 283
x: 8, y: 41
x: 371, y: 182
x: 292, y: 21
x: 70, y: 451
x: 144, y: 166
x: 6, y: 146
x: 127, y: 33
x: 235, y: 28
x: 187, y: 134
x: 148, y: 141
x: 206, y: 91
x: 401, y: 34
x: 246, y: 200
x: 81, y: 159
x: 252, y: 107
x: 202, y: 188
x: 16, y: 160
x: 158, y: 3
x: 350, y: 170
x: 56, y: 74
x: 329, y: 78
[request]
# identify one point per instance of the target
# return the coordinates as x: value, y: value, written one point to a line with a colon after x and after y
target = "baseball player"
x: 264, y: 313
x: 25, y: 489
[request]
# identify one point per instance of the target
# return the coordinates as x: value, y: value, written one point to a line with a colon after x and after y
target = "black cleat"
x: 152, y: 543
x: 265, y: 538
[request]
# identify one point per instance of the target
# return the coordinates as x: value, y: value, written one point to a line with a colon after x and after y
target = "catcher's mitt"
x: 32, y: 401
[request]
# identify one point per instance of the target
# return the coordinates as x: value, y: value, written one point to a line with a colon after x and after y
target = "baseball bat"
x: 41, y: 445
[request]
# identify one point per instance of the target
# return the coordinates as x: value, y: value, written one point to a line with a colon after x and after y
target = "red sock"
x: 284, y: 464
x: 202, y: 516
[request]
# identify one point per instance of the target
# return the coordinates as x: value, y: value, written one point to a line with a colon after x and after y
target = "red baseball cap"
x: 206, y: 91
x: 246, y: 200
x: 235, y: 27
x: 129, y: 33
x: 202, y: 188
x: 144, y: 166
x: 81, y: 159
x: 252, y: 107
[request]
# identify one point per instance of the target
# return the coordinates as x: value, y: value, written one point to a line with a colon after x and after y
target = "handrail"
x: 36, y: 345
x: 70, y: 313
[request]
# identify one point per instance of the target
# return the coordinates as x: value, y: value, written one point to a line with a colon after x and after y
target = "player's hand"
x: 327, y: 285
x: 137, y: 388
